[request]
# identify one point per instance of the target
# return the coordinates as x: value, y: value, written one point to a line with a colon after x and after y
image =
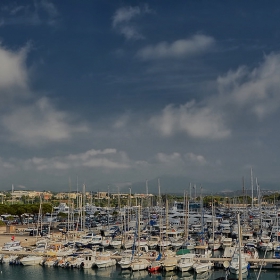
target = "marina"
x: 155, y: 240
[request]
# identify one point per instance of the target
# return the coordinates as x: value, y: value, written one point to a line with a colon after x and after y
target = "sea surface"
x: 19, y: 272
x: 37, y: 272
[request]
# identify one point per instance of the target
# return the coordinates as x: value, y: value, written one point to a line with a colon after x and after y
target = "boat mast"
x: 68, y: 212
x: 12, y: 194
x: 138, y: 221
x: 258, y: 193
x: 252, y: 186
x: 239, y: 247
x: 108, y: 209
x: 213, y: 227
x: 202, y: 216
x: 166, y: 215
x: 186, y: 216
x: 160, y: 218
x: 39, y: 220
x: 148, y: 204
x: 119, y: 199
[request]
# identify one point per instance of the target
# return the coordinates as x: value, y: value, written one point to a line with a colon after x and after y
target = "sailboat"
x: 202, y: 266
x: 214, y: 244
x: 155, y: 265
x: 189, y: 242
x: 138, y: 264
x: 126, y: 259
x: 238, y: 264
x: 170, y: 261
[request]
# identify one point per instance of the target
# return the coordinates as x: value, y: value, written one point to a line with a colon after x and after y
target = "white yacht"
x: 214, y: 244
x: 186, y: 262
x: 234, y: 264
x: 104, y: 260
x: 116, y: 242
x: 126, y: 259
x: 139, y: 264
x: 89, y: 259
x: 202, y: 266
x: 226, y: 242
x: 170, y: 263
x: 12, y: 246
x: 31, y: 260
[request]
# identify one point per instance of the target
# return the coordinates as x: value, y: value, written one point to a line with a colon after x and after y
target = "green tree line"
x: 20, y: 209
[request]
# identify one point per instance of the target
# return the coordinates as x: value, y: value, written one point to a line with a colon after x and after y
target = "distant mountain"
x: 179, y: 184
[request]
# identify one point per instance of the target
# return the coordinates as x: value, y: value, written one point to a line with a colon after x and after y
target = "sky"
x: 111, y: 94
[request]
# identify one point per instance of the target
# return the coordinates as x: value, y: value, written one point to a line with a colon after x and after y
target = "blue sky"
x: 114, y: 93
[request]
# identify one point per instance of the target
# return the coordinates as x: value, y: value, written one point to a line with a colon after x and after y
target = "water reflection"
x: 185, y: 275
x: 204, y: 276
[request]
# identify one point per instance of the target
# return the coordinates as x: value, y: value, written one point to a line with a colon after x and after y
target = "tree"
x: 62, y: 215
x: 33, y: 209
x: 46, y: 208
x: 18, y: 210
x: 4, y: 209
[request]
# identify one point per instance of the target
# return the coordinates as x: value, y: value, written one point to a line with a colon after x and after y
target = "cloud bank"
x: 192, y: 119
x: 238, y: 93
x: 36, y: 121
x: 257, y: 90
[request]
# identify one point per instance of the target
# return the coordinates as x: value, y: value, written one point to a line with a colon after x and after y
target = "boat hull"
x: 31, y: 261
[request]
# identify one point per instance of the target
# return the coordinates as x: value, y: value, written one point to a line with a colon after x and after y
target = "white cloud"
x: 176, y: 159
x: 239, y: 92
x: 91, y: 153
x: 39, y: 123
x: 168, y: 159
x: 35, y: 121
x: 130, y: 32
x: 196, y: 121
x: 122, y: 21
x: 13, y: 71
x: 109, y: 165
x: 180, y: 48
x: 175, y: 163
x: 107, y: 159
x: 196, y: 159
x: 125, y: 14
x: 103, y: 162
x: 257, y: 91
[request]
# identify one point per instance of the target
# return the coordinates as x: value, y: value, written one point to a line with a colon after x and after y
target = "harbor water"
x: 19, y: 272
